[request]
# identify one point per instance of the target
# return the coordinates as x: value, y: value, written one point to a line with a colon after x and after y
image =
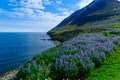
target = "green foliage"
x: 42, y: 67
x: 44, y: 61
x: 44, y: 73
x: 110, y: 68
x: 111, y: 33
x: 66, y: 33
x: 117, y: 43
x: 22, y: 73
x: 97, y: 60
x: 116, y: 25
x: 70, y: 31
x: 79, y: 73
x: 93, y: 30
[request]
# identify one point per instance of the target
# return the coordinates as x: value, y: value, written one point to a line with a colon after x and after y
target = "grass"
x: 53, y: 63
x: 70, y: 31
x: 67, y: 32
x: 110, y: 70
x: 116, y: 25
x: 111, y: 33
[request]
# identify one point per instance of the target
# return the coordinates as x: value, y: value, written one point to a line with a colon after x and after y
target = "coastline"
x: 10, y: 75
x: 55, y: 41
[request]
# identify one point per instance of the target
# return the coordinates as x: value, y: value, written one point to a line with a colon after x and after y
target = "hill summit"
x: 96, y: 12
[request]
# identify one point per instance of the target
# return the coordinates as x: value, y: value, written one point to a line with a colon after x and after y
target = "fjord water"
x: 18, y: 48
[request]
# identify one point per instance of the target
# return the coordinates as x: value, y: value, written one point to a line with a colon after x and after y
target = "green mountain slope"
x: 97, y: 16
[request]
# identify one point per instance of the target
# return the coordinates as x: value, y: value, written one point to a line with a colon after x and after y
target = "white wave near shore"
x: 10, y: 75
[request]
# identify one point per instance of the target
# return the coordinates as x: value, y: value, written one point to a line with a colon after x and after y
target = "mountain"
x: 97, y: 14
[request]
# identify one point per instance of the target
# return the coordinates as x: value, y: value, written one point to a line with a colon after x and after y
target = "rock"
x: 9, y: 75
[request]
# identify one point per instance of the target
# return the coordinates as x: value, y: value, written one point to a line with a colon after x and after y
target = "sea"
x: 16, y: 48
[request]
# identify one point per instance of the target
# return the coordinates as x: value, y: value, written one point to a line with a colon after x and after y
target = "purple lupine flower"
x: 28, y: 68
x: 116, y: 38
x: 89, y: 46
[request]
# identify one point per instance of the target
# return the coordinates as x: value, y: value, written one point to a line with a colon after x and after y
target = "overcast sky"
x: 36, y: 15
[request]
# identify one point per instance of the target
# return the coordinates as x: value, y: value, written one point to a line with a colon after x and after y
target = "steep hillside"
x: 97, y: 16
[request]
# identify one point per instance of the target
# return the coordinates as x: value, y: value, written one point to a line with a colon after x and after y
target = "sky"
x: 36, y: 15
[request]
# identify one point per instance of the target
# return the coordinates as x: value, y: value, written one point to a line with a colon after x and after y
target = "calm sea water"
x: 18, y: 48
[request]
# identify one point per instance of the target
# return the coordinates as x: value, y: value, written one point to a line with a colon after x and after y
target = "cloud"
x: 58, y: 1
x: 47, y: 2
x: 83, y: 3
x: 2, y: 11
x: 12, y: 14
x: 34, y: 10
x: 34, y: 13
x: 65, y: 12
x: 30, y: 15
x: 36, y: 4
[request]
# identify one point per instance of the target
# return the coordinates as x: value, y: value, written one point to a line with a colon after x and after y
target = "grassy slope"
x: 111, y: 66
x: 70, y: 31
x: 96, y: 21
x: 48, y: 57
x: 65, y: 33
x: 116, y: 26
x: 110, y: 69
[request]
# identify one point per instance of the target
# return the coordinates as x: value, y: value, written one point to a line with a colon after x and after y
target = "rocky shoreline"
x: 10, y: 75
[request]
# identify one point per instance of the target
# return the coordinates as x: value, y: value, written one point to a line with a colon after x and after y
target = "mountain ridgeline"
x: 97, y: 16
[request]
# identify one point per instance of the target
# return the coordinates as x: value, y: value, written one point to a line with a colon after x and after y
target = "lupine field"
x: 71, y: 60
